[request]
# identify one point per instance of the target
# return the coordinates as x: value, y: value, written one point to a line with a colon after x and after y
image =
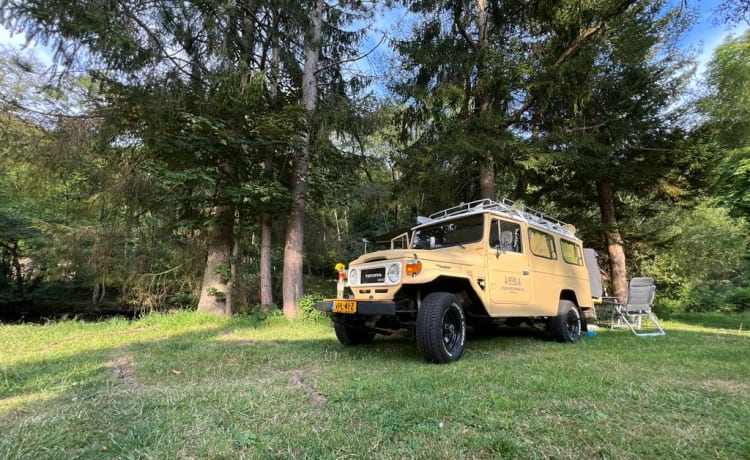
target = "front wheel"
x: 566, y: 326
x: 441, y: 328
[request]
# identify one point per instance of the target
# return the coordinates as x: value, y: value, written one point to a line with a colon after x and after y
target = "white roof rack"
x: 509, y: 208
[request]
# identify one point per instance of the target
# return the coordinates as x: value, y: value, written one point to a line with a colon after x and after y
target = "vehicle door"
x: 509, y: 283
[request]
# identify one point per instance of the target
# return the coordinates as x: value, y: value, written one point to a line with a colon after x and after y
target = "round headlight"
x: 353, y: 276
x: 393, y: 273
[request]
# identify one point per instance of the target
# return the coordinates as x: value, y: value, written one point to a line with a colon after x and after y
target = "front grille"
x: 373, y: 275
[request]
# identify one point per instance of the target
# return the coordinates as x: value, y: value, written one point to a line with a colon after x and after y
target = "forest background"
x: 218, y: 155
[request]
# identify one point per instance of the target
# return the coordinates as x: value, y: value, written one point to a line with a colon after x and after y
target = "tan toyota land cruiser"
x: 481, y: 262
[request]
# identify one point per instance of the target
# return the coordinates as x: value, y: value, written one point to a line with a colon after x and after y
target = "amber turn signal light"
x: 413, y: 267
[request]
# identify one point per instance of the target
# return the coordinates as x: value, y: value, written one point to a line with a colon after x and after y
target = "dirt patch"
x: 298, y: 382
x: 122, y: 368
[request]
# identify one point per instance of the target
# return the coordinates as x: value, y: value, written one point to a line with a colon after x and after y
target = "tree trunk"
x: 293, y: 248
x: 295, y: 232
x: 613, y: 239
x: 266, y: 265
x: 487, y: 185
x: 233, y: 259
x: 216, y: 288
x: 522, y: 183
x: 97, y: 296
x: 16, y: 265
x: 266, y: 238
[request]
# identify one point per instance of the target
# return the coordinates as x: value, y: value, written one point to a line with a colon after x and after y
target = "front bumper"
x: 364, y: 307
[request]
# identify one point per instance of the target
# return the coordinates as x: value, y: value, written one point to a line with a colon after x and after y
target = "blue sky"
x: 709, y: 31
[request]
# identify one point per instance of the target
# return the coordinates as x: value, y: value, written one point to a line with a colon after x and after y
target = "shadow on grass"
x: 58, y: 371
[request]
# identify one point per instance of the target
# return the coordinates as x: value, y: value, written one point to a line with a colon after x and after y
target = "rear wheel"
x: 566, y: 326
x: 441, y: 328
x: 353, y: 335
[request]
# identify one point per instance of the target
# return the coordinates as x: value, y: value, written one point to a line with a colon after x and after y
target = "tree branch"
x: 583, y: 37
x: 155, y: 39
x: 462, y: 30
x: 586, y: 128
x: 353, y: 59
x: 19, y: 106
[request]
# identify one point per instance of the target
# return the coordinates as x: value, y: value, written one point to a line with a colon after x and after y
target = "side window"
x: 506, y: 236
x: 542, y: 244
x: 571, y: 253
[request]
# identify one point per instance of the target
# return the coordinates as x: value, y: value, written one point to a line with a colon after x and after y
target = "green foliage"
x: 727, y: 129
x: 737, y: 299
x: 217, y: 294
x: 224, y: 271
x: 308, y: 310
x: 723, y: 299
x: 125, y: 198
x: 699, y: 258
x: 728, y: 100
x: 217, y: 127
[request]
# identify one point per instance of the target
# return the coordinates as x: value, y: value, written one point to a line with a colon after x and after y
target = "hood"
x: 448, y: 255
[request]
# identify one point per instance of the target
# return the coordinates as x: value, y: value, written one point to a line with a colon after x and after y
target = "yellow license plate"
x: 344, y: 306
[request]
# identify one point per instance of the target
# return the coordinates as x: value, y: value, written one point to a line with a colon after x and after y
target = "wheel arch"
x: 570, y: 295
x: 460, y: 287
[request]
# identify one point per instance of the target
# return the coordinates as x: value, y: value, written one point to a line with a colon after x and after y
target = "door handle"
x: 525, y: 272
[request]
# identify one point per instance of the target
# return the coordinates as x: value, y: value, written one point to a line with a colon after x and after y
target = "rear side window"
x: 571, y: 253
x: 542, y: 244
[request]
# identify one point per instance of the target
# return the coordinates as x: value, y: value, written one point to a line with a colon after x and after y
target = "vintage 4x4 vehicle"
x: 483, y: 262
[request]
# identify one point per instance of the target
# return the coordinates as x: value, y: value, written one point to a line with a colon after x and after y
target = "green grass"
x: 190, y: 386
x: 740, y: 322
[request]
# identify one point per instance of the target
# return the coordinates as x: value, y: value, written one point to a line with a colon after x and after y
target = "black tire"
x: 567, y: 325
x: 441, y: 328
x: 353, y: 335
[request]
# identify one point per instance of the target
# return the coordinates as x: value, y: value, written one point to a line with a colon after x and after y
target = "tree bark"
x: 293, y: 248
x: 487, y: 184
x: 266, y: 234
x: 216, y: 288
x: 266, y: 265
x: 613, y: 239
x: 97, y: 296
x: 16, y: 265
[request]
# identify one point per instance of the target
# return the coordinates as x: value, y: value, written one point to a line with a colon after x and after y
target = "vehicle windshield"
x: 451, y: 233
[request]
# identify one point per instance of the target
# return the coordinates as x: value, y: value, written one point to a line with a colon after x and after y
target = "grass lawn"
x: 185, y: 385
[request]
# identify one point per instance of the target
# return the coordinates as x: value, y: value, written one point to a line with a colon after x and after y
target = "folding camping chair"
x: 640, y: 300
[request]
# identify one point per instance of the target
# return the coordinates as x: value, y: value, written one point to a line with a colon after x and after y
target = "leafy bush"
x: 698, y: 260
x: 307, y: 307
x: 665, y: 307
x: 738, y: 299
x: 723, y: 298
